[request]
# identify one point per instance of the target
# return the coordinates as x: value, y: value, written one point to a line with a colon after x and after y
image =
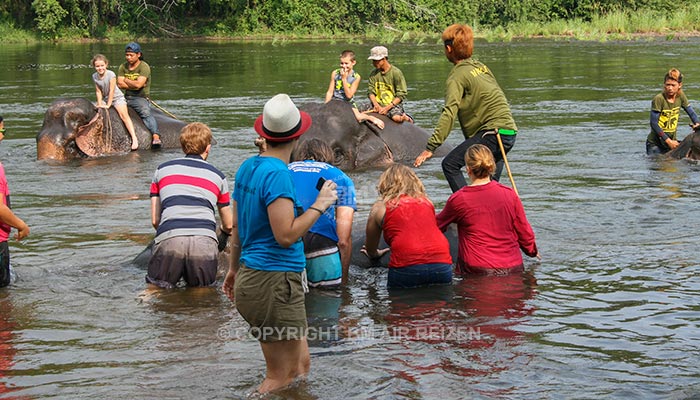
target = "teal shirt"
x: 473, y: 96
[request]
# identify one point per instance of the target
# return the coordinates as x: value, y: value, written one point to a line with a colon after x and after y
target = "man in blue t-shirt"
x: 328, y: 244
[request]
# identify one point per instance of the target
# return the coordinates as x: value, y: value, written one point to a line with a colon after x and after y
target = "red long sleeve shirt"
x: 492, y: 227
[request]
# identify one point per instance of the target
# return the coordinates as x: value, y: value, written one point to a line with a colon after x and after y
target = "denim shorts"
x: 419, y: 275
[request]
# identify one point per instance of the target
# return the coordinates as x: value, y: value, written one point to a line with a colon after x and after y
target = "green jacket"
x: 472, y: 95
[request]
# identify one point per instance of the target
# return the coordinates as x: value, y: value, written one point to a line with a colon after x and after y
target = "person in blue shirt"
x: 328, y: 244
x: 264, y: 278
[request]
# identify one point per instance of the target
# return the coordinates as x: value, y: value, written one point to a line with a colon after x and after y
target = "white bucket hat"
x: 281, y: 120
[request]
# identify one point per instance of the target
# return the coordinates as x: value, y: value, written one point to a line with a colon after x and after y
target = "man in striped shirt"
x: 184, y: 194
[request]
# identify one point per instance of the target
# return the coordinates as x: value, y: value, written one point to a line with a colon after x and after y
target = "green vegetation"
x: 384, y: 20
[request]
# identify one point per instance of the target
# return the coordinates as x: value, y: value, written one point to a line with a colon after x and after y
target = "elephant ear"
x: 90, y: 138
x: 95, y: 137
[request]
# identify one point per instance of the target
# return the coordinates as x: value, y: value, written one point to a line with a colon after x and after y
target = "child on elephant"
x: 108, y: 94
x: 343, y: 86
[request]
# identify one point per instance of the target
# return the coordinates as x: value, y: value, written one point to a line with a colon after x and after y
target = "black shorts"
x: 194, y: 258
x: 4, y: 264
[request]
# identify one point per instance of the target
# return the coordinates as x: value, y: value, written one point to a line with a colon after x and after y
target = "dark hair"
x: 1, y: 119
x: 314, y: 149
x: 461, y: 38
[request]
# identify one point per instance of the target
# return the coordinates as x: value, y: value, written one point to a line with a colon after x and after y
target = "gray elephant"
x: 364, y: 145
x: 75, y: 128
x: 688, y: 148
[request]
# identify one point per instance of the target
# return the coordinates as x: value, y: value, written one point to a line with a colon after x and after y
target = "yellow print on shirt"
x: 132, y: 76
x: 668, y: 120
x: 384, y: 93
x: 479, y: 70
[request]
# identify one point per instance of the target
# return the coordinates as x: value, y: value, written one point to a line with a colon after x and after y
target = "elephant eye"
x: 339, y: 156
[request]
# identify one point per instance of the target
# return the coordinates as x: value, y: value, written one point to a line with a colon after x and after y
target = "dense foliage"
x: 172, y: 18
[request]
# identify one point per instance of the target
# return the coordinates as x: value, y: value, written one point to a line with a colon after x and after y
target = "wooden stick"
x: 505, y: 160
x: 163, y: 109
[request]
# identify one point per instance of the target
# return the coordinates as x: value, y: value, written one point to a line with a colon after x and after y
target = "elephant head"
x: 363, y: 145
x: 75, y: 128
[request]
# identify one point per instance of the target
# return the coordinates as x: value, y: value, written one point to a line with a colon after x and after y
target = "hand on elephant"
x: 374, y: 257
x: 426, y: 154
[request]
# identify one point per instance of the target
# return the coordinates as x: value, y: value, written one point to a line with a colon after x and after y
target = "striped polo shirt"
x: 190, y: 189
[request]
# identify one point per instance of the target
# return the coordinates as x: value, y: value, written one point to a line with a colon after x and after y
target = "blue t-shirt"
x: 306, y: 174
x: 259, y: 182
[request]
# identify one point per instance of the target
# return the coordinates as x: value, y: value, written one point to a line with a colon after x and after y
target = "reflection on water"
x: 610, y: 312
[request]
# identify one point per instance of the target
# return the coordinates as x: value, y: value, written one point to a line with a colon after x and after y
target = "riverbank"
x: 642, y: 25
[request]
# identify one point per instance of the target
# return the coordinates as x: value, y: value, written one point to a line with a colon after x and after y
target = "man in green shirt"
x: 134, y: 78
x: 474, y: 97
x: 387, y: 87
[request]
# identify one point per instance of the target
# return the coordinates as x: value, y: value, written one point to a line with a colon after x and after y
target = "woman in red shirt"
x: 420, y: 253
x: 490, y: 218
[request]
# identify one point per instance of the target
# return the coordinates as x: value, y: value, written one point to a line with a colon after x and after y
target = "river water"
x: 611, y: 311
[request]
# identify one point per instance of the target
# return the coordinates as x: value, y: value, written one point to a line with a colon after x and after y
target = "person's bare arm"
x: 234, y: 264
x: 343, y: 221
x: 155, y: 211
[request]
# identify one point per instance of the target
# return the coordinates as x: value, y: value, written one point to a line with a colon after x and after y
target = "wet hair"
x: 480, y: 161
x: 348, y: 53
x: 99, y: 57
x: 314, y: 149
x: 194, y: 138
x: 461, y: 38
x: 399, y: 180
x: 674, y: 74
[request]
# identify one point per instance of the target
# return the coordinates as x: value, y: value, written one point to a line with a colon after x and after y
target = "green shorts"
x: 272, y: 303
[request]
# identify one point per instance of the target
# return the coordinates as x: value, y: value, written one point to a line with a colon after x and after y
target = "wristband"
x: 316, y: 209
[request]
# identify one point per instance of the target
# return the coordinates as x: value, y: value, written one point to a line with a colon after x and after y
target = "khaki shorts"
x: 272, y: 303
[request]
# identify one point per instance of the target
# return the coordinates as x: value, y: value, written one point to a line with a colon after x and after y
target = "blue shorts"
x: 323, y: 268
x: 419, y: 275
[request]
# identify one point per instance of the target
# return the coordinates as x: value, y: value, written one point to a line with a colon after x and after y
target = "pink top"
x: 412, y: 233
x: 5, y: 193
x: 492, y: 228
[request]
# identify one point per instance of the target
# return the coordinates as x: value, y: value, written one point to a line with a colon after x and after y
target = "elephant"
x: 688, y: 148
x: 76, y: 128
x: 364, y: 145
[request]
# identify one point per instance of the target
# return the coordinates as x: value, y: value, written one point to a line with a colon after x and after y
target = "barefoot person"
x: 108, y: 94
x: 265, y: 276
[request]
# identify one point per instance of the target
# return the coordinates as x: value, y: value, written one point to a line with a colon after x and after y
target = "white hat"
x: 378, y: 53
x: 281, y: 120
